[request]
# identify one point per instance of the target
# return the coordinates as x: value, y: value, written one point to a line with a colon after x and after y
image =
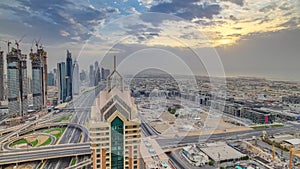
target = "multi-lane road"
x: 81, y: 114
x: 48, y: 152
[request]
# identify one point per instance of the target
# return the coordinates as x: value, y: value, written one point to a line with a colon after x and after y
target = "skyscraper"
x: 43, y: 55
x: 39, y: 78
x: 54, y: 72
x: 61, y: 81
x: 82, y: 75
x: 105, y: 73
x: 97, y: 74
x: 1, y: 76
x: 69, y: 75
x: 92, y: 76
x: 115, y: 128
x: 50, y: 80
x: 75, y: 78
x: 17, y: 83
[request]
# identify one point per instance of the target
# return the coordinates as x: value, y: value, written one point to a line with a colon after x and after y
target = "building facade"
x: 115, y: 129
x: 17, y: 83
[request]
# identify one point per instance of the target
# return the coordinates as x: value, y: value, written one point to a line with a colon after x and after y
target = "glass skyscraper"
x: 61, y: 81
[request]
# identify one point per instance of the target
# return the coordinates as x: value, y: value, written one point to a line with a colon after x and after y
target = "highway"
x: 72, y: 135
x: 166, y: 143
x: 46, y: 153
x: 43, y: 152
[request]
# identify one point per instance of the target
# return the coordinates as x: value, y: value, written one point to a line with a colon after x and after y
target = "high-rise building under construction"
x: 17, y: 83
x: 39, y: 78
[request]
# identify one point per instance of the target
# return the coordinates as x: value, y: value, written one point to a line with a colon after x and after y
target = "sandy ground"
x: 54, y: 132
x: 42, y: 139
x: 31, y: 138
x: 187, y: 127
x: 23, y: 166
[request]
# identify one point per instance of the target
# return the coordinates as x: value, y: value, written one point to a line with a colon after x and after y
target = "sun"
x: 225, y: 42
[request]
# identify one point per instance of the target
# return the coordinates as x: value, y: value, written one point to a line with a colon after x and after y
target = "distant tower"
x: 97, y: 73
x: 17, y: 83
x: 61, y: 81
x: 104, y: 73
x: 54, y: 72
x: 75, y: 78
x: 114, y: 126
x: 92, y: 76
x: 2, y: 95
x: 82, y: 75
x: 50, y: 80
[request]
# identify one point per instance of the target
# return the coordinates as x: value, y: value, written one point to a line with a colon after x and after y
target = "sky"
x: 241, y: 37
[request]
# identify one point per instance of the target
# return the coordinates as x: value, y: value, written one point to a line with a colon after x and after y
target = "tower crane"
x: 18, y: 42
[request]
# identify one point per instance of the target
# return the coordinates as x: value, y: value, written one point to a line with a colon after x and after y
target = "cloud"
x: 63, y: 17
x: 237, y: 2
x: 188, y: 9
x: 68, y: 21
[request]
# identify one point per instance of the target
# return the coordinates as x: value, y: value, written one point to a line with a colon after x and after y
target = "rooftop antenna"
x: 18, y: 42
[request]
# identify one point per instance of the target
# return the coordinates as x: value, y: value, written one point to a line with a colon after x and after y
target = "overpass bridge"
x: 44, y: 153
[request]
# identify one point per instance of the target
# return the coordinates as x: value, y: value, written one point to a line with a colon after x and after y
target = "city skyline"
x: 252, y: 38
x: 150, y: 84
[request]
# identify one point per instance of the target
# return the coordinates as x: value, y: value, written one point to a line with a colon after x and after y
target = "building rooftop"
x: 294, y: 141
x: 221, y: 152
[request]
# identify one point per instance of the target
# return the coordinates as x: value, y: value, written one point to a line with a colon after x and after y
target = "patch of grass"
x: 40, y: 165
x: 34, y: 143
x: 267, y: 126
x: 277, y: 125
x: 64, y: 118
x: 73, y: 162
x: 80, y: 137
x: 259, y: 127
x: 47, y: 142
x: 58, y: 135
x: 22, y: 141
